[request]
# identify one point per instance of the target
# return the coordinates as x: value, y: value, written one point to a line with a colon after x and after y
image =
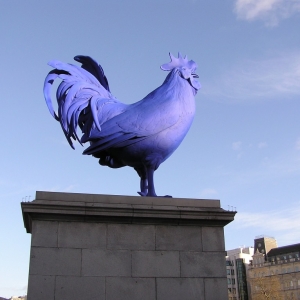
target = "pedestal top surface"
x: 42, y: 197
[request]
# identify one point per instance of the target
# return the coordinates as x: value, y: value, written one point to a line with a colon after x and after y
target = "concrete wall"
x: 89, y: 259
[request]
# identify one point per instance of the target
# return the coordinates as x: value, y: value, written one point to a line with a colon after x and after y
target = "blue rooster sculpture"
x: 141, y: 135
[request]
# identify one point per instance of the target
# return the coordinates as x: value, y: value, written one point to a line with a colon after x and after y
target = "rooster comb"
x: 178, y: 62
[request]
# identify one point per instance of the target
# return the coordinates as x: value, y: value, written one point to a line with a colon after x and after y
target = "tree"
x: 266, y: 287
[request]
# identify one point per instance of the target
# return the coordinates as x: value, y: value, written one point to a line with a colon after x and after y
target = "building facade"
x: 274, y: 272
x: 237, y: 261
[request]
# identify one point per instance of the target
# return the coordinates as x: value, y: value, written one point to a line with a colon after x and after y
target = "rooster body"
x: 141, y: 135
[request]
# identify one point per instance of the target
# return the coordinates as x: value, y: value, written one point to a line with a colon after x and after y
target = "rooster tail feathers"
x: 83, y: 98
x: 76, y: 72
x: 47, y: 92
x: 94, y: 68
x: 82, y: 89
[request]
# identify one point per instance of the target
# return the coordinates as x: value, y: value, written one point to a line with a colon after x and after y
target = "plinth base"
x: 101, y: 247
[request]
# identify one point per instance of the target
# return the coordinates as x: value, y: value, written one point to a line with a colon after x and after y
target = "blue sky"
x: 243, y: 147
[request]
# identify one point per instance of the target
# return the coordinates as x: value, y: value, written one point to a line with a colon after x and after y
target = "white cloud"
x: 207, y: 193
x: 236, y: 146
x: 283, y: 224
x: 68, y: 188
x: 61, y: 189
x: 254, y: 80
x: 267, y: 170
x: 269, y: 11
x: 262, y: 145
x: 286, y: 165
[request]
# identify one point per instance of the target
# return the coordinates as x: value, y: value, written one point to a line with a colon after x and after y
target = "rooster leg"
x: 151, y: 189
x: 144, y: 182
x: 144, y: 186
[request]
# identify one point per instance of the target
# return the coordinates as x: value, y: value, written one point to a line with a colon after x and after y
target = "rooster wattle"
x: 141, y: 135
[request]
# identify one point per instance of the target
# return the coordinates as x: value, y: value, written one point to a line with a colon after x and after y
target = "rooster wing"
x: 139, y: 121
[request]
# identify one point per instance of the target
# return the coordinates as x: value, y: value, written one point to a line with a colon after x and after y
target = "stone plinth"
x: 102, y: 247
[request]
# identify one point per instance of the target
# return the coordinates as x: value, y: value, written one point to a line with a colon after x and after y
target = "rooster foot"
x: 146, y: 195
x: 143, y: 194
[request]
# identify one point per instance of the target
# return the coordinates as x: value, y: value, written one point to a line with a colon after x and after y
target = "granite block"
x: 155, y: 264
x: 81, y: 235
x: 44, y: 233
x: 178, y: 238
x: 79, y: 288
x: 213, y: 239
x: 97, y: 262
x: 180, y: 288
x: 41, y: 287
x: 130, y: 236
x: 215, y: 288
x: 55, y: 261
x: 203, y: 264
x: 124, y: 288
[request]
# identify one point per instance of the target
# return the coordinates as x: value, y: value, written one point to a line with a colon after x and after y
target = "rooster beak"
x: 194, y: 82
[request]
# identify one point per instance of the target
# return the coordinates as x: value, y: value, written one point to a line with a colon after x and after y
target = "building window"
x: 233, y: 281
x: 228, y: 272
x: 232, y: 272
x: 234, y: 291
x: 291, y: 283
x: 228, y: 280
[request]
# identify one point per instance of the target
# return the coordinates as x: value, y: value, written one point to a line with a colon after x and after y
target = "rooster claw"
x: 142, y: 194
